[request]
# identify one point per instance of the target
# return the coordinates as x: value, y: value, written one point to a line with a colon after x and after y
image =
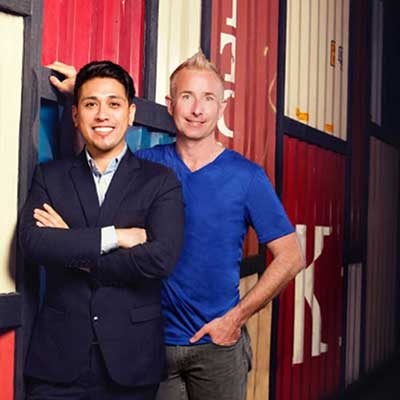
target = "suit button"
x: 95, y: 318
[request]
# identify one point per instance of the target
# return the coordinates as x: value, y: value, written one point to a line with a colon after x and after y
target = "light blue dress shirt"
x: 102, y: 181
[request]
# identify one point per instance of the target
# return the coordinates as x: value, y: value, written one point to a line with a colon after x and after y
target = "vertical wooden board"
x: 338, y: 71
x: 330, y: 68
x: 293, y: 41
x: 11, y: 46
x: 259, y: 330
x: 261, y: 389
x: 7, y: 342
x: 313, y: 62
x: 323, y: 54
x: 344, y: 68
x: 304, y: 62
x: 178, y: 38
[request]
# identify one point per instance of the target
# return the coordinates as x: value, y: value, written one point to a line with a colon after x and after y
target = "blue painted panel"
x: 139, y: 137
x: 49, y: 115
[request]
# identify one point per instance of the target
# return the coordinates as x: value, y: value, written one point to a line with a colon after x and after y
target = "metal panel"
x: 7, y: 341
x: 359, y: 110
x: 11, y: 44
x: 353, y: 324
x: 383, y: 201
x: 244, y: 41
x: 376, y: 61
x: 310, y: 314
x: 316, y: 74
x: 178, y: 38
x: 77, y: 32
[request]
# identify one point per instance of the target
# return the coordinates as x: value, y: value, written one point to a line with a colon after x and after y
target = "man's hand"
x: 223, y: 331
x: 130, y: 237
x: 48, y: 218
x: 65, y: 86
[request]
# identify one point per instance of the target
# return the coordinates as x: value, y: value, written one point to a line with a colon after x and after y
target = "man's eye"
x: 115, y: 104
x: 209, y: 98
x: 90, y: 104
x: 185, y: 96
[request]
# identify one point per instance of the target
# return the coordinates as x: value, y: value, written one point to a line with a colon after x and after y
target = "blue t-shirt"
x: 221, y: 200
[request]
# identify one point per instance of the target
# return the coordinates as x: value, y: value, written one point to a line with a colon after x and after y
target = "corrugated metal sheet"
x: 310, y: 321
x: 359, y: 132
x: 244, y: 43
x: 11, y: 44
x: 317, y: 46
x: 7, y: 341
x: 353, y: 323
x: 178, y: 39
x: 383, y: 203
x: 77, y: 32
x: 376, y: 60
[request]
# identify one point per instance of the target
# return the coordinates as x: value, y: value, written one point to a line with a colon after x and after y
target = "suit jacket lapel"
x: 84, y: 185
x: 118, y: 189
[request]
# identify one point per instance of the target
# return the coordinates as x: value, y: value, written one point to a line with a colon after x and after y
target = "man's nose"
x: 102, y: 113
x: 197, y: 107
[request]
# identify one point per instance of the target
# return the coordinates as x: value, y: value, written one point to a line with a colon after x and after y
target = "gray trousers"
x: 207, y: 371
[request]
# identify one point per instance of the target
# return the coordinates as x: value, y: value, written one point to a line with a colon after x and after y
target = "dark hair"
x: 104, y: 69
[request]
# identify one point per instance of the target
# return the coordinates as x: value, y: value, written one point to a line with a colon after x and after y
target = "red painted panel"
x: 244, y: 43
x: 313, y: 194
x: 77, y: 32
x: 7, y: 341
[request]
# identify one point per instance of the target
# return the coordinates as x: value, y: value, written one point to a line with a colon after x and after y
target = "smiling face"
x: 196, y: 103
x: 103, y: 115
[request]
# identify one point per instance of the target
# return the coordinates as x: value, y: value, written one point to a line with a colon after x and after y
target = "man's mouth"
x: 194, y: 122
x: 103, y: 129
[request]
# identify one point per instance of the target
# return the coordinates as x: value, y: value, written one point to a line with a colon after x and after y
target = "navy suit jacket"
x: 119, y: 299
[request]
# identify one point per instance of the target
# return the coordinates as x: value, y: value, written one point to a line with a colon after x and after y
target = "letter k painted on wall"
x: 304, y: 290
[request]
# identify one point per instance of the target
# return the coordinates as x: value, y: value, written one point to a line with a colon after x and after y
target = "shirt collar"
x: 112, y: 166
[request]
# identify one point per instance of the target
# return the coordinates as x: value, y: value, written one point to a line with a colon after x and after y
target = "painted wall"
x: 317, y: 54
x: 77, y: 32
x: 310, y: 311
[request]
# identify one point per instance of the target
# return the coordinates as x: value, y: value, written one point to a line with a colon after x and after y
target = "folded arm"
x: 47, y: 239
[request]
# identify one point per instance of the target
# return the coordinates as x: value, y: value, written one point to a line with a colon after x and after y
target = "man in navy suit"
x: 99, y: 333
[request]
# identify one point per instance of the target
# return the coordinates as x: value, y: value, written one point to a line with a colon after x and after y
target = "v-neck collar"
x: 211, y: 163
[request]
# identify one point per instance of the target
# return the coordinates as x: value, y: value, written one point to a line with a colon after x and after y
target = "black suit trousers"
x: 93, y: 383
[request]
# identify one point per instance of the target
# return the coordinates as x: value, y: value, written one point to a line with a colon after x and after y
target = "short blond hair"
x: 197, y: 62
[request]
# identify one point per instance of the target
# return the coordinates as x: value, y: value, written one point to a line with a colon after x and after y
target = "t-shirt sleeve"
x: 265, y: 211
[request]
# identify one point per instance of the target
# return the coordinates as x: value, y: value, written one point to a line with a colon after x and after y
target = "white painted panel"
x: 316, y: 74
x: 337, y: 71
x: 330, y: 68
x: 293, y: 29
x: 376, y: 62
x: 179, y: 24
x: 313, y: 63
x: 302, y: 111
x: 11, y: 47
x: 345, y: 68
x: 323, y: 62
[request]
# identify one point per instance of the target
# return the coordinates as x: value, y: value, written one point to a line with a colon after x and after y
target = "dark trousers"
x: 93, y: 384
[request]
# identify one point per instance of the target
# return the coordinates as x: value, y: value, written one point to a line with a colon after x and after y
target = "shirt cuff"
x: 109, y: 239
